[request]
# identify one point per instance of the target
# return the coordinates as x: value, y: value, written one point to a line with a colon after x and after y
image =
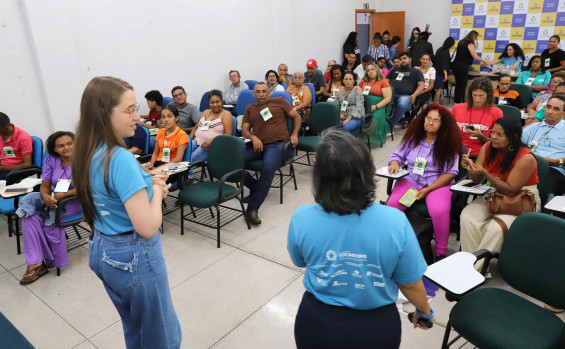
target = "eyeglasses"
x: 555, y: 81
x: 428, y: 119
x: 498, y: 134
x: 178, y: 95
x: 132, y: 110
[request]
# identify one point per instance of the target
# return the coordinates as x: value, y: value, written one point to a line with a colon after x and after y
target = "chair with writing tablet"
x: 204, y: 102
x: 532, y: 262
x: 167, y: 101
x: 251, y: 84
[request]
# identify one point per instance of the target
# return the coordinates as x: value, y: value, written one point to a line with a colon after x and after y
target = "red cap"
x: 312, y: 63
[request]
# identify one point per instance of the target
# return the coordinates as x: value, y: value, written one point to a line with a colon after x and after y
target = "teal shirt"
x: 539, y: 80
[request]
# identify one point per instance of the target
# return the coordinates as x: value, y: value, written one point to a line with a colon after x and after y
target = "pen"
x: 469, y: 152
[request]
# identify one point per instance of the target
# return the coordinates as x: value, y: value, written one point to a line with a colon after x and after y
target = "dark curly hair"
x: 155, y: 96
x: 513, y: 130
x: 482, y: 83
x: 343, y: 184
x: 448, y: 143
x: 269, y: 72
x: 50, y: 142
x: 541, y: 68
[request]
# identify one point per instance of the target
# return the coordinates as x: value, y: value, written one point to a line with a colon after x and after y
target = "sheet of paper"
x: 29, y: 182
x: 383, y: 171
x: 480, y: 189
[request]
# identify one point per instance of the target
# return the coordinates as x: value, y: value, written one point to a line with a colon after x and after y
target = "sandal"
x: 38, y: 272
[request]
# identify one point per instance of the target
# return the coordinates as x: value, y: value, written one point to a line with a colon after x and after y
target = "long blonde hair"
x: 380, y: 75
x: 100, y: 96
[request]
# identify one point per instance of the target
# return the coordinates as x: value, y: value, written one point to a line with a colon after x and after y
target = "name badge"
x: 295, y: 101
x: 62, y: 186
x: 344, y: 105
x: 399, y: 76
x: 409, y: 197
x: 501, y: 101
x: 366, y: 90
x: 266, y: 114
x: 530, y: 81
x: 547, y: 62
x: 205, y: 125
x: 335, y: 91
x: 166, y: 155
x: 9, y: 152
x: 533, y: 145
x: 420, y: 166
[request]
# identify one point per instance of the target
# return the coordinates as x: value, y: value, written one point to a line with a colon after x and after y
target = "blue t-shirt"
x: 509, y: 62
x: 138, y: 139
x: 353, y: 260
x: 125, y: 178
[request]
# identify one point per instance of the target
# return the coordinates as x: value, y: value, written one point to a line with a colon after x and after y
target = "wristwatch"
x: 561, y: 163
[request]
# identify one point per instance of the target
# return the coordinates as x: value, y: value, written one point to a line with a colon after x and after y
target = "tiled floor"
x: 242, y: 295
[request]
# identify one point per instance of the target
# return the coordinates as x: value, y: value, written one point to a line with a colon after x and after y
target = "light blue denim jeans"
x: 134, y: 274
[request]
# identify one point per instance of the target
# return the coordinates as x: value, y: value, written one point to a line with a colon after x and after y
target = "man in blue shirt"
x: 136, y: 143
x: 547, y: 139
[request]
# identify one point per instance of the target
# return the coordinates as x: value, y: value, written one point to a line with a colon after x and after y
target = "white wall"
x: 52, y: 48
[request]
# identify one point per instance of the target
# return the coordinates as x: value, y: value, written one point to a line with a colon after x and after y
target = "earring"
x: 511, y: 148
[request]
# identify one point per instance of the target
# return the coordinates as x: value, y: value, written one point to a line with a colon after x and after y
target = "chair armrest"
x: 455, y: 274
x: 223, y: 180
x: 144, y: 158
x: 366, y: 121
x: 61, y: 206
x: 287, y: 159
x: 487, y: 256
x: 21, y: 173
x: 390, y: 182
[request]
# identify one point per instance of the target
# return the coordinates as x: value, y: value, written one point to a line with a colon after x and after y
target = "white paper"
x: 556, y: 204
x: 29, y: 182
x: 383, y: 171
x: 478, y: 189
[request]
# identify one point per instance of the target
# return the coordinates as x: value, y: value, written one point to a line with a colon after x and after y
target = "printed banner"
x: 528, y: 23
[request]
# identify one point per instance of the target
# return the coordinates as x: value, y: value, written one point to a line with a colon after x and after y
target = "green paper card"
x: 409, y: 197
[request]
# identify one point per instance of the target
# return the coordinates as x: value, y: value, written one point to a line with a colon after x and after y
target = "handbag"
x: 515, y: 205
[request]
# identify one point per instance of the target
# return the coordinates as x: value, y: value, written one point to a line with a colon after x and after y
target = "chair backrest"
x: 188, y: 150
x: 512, y: 111
x: 251, y: 84
x: 543, y: 176
x: 319, y: 71
x: 244, y: 99
x: 282, y: 94
x: 285, y: 85
x: 225, y: 154
x: 234, y: 126
x: 525, y: 92
x: 204, y: 104
x: 367, y: 103
x: 37, y: 155
x: 532, y: 259
x: 313, y: 91
x: 323, y: 116
x: 462, y: 171
x: 147, y: 140
x: 167, y: 101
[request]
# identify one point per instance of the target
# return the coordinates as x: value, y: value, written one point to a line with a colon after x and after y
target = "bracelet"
x: 425, y: 317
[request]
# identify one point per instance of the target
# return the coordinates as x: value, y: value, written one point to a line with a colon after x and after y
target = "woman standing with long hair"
x: 442, y: 60
x: 466, y: 53
x: 122, y: 203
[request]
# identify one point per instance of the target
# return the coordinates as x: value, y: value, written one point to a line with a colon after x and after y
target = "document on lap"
x: 383, y: 172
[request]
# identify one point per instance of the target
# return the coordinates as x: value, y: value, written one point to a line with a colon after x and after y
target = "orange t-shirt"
x: 376, y: 87
x: 172, y: 141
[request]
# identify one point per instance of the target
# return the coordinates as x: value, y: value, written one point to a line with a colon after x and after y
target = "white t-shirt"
x: 430, y: 75
x: 360, y: 72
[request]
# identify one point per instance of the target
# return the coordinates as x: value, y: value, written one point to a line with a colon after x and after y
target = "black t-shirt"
x: 463, y: 55
x: 317, y: 80
x: 408, y: 82
x: 138, y: 139
x: 555, y: 58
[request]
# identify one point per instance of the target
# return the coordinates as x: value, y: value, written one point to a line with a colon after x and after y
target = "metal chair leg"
x: 182, y: 218
x: 446, y: 336
x: 218, y: 225
x: 293, y: 176
x: 244, y: 215
x: 281, y: 188
x: 58, y: 271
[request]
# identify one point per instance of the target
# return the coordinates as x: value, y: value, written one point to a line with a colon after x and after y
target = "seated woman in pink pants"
x: 431, y: 147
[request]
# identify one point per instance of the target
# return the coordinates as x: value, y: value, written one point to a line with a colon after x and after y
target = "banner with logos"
x: 528, y: 23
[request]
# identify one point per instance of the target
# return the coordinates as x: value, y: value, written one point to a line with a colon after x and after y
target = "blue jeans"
x: 198, y: 153
x: 272, y: 159
x: 402, y: 106
x: 134, y: 274
x: 353, y: 124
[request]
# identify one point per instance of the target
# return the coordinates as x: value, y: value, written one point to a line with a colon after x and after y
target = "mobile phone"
x: 15, y: 190
x: 470, y: 127
x: 173, y: 166
x: 471, y: 184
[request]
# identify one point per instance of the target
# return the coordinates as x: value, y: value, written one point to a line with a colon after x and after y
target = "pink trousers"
x: 439, y: 205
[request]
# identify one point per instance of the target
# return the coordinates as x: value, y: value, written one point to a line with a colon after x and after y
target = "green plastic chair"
x: 543, y: 176
x: 366, y: 123
x: 531, y: 261
x: 288, y: 157
x: 324, y: 115
x: 525, y: 92
x: 510, y: 110
x: 226, y: 162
